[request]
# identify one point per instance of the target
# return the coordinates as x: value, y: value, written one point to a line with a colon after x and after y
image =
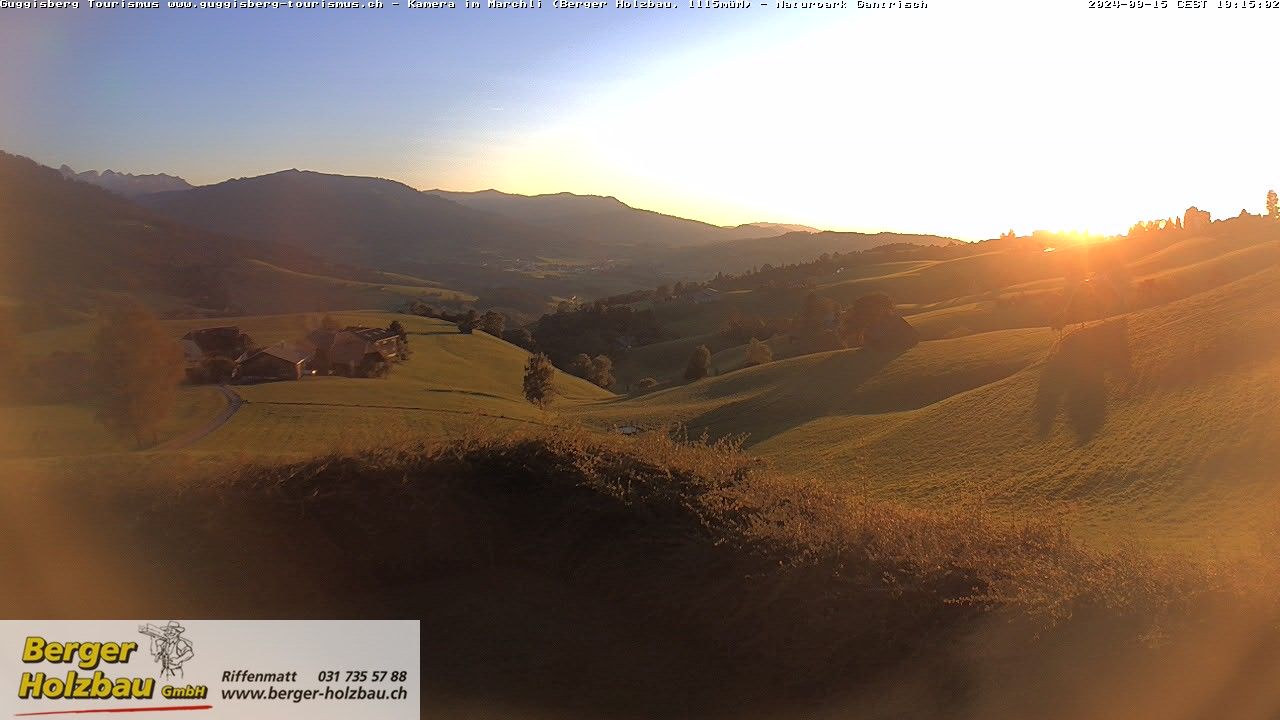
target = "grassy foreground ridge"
x: 558, y: 565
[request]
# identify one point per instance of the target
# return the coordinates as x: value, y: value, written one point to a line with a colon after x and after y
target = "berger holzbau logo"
x: 90, y: 675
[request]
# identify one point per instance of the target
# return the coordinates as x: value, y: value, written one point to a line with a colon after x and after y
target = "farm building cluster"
x: 226, y: 354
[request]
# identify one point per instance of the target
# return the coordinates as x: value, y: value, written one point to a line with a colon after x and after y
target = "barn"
x: 282, y: 361
x: 353, y: 351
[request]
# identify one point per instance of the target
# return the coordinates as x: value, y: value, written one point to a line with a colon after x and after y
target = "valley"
x: 884, y: 458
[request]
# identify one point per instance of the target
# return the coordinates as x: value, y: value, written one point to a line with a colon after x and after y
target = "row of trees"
x: 594, y: 330
x: 597, y: 370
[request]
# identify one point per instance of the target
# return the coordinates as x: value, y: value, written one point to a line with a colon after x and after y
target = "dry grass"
x: 799, y: 589
x: 610, y: 576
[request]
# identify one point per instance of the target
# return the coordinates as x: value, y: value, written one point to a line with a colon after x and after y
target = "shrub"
x: 646, y: 383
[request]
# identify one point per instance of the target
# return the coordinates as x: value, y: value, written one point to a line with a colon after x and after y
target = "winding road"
x: 234, y: 401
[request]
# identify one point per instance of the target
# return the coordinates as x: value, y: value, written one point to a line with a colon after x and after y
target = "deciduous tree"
x: 758, y: 353
x: 602, y: 371
x: 10, y: 358
x: 493, y: 323
x: 137, y: 367
x: 699, y: 363
x: 539, y: 380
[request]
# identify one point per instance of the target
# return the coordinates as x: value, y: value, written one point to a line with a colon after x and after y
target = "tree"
x: 10, y: 358
x: 137, y: 367
x: 699, y: 363
x: 581, y: 366
x: 519, y: 337
x: 814, y: 314
x: 866, y: 311
x: 539, y: 380
x: 217, y: 369
x: 399, y: 330
x: 758, y: 353
x: 493, y: 323
x: 602, y: 371
x: 1273, y: 205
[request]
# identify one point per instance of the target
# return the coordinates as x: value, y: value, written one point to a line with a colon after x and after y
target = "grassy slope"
x: 761, y: 401
x: 568, y: 575
x: 1161, y: 424
x: 31, y: 431
x: 452, y: 383
x: 958, y: 297
x: 258, y: 286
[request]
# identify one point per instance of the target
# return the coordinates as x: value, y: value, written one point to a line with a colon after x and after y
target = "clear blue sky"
x: 965, y: 119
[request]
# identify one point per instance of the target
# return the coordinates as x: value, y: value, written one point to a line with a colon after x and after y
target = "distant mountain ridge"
x: 66, y: 241
x: 77, y: 237
x: 779, y: 228
x: 364, y: 220
x: 610, y: 222
x: 127, y: 184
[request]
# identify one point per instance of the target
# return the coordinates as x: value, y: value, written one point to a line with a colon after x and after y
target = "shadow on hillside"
x: 827, y: 388
x: 1075, y: 377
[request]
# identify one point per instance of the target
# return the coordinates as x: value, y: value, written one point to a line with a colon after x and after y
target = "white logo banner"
x: 194, y: 669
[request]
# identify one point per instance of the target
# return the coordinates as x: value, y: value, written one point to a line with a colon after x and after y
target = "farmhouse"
x: 355, y: 351
x: 281, y: 361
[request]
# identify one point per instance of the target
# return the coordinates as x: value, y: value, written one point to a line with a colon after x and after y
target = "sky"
x: 965, y: 119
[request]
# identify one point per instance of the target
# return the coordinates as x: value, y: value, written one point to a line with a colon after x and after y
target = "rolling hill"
x: 66, y: 240
x: 1158, y: 424
x: 607, y: 221
x: 359, y: 220
x: 452, y: 383
x: 790, y: 246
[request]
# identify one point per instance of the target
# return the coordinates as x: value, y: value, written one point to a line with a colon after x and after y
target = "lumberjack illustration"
x: 168, y: 647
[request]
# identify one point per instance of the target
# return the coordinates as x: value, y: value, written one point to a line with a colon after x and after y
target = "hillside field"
x: 1160, y: 425
x: 1156, y: 424
x: 452, y: 382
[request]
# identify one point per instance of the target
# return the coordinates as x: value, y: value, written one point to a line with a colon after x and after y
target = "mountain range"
x: 609, y: 222
x: 127, y: 184
x: 332, y: 239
